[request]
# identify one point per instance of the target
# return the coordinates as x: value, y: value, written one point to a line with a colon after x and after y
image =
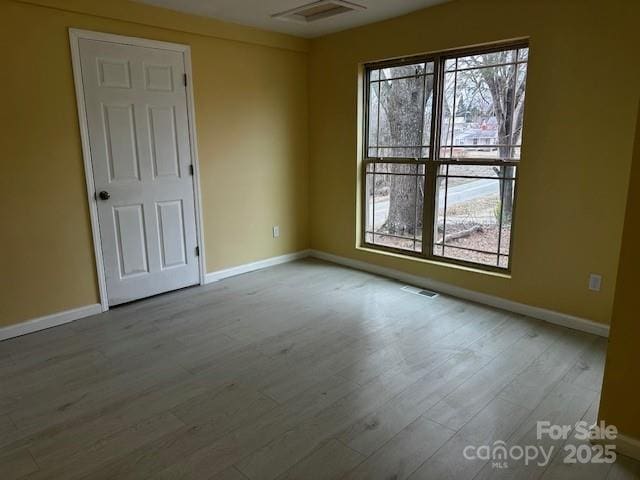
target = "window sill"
x: 434, y: 262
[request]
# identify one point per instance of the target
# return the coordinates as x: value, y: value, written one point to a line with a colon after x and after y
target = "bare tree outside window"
x: 402, y: 103
x: 461, y: 183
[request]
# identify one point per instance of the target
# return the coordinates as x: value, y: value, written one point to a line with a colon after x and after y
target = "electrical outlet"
x: 276, y: 231
x: 595, y: 282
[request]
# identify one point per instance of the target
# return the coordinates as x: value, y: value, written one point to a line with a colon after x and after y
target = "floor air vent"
x: 420, y: 291
x: 318, y: 11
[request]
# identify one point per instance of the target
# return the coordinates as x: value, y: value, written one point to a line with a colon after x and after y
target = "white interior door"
x: 136, y: 107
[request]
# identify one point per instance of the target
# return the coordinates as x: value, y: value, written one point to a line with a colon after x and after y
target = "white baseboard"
x: 550, y: 316
x: 250, y: 267
x: 628, y: 446
x: 49, y: 321
x: 67, y: 316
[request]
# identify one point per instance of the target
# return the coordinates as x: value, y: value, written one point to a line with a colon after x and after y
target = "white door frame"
x: 74, y: 36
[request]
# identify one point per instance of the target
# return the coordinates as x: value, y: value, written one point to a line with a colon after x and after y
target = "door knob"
x: 104, y: 195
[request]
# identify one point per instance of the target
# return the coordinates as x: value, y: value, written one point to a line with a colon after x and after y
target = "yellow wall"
x: 580, y: 115
x: 251, y: 113
x: 619, y: 405
x: 277, y: 126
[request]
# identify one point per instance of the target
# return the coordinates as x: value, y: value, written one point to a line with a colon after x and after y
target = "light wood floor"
x: 302, y: 371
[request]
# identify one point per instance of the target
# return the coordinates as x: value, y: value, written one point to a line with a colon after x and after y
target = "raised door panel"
x: 164, y: 147
x: 122, y: 151
x: 131, y: 240
x: 172, y: 233
x: 158, y: 78
x: 114, y: 73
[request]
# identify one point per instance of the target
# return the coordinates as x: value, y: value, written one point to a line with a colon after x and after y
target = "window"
x: 443, y: 135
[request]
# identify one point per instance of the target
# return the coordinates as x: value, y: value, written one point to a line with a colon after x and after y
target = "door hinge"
x: 197, y: 251
x: 184, y: 79
x: 191, y: 169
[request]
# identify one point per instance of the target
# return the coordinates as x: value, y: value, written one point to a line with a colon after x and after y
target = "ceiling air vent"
x: 318, y: 11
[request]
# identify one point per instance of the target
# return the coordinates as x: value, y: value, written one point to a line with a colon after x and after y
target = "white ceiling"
x: 257, y: 13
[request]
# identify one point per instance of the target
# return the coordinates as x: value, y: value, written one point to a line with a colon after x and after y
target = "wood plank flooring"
x: 303, y: 371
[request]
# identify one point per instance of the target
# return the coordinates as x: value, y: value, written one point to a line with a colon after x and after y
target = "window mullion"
x: 377, y: 124
x: 429, y: 204
x: 424, y: 108
x: 428, y: 209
